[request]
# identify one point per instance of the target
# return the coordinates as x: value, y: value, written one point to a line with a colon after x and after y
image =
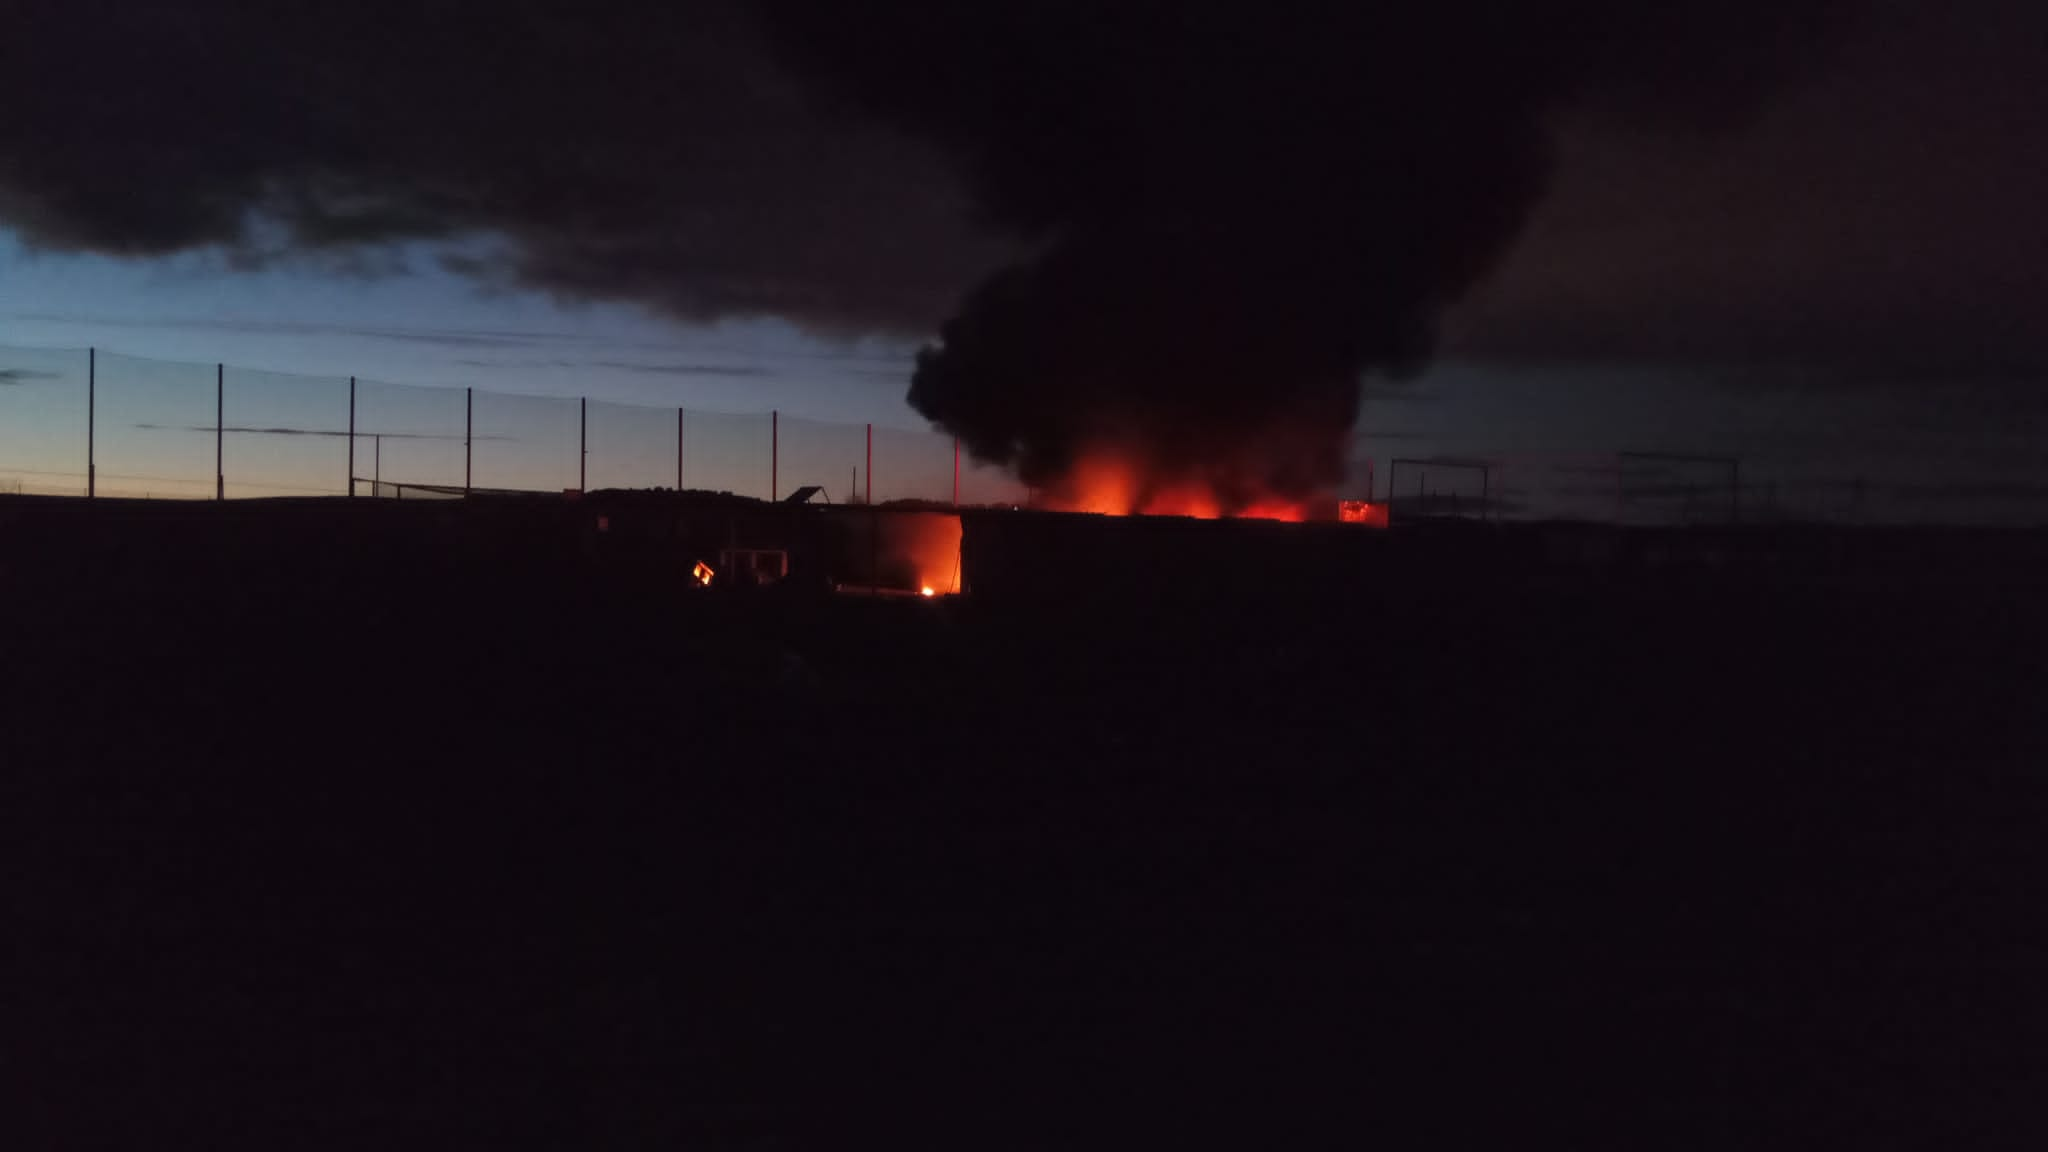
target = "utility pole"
x: 92, y: 371
x: 220, y: 408
x: 679, y: 449
x: 774, y: 451
x: 871, y: 464
x: 351, y: 437
x: 468, y: 434
x: 956, y: 472
x: 582, y: 444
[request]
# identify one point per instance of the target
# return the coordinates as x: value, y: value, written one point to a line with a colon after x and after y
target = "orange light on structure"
x: 1362, y: 512
x: 702, y: 574
x: 926, y: 591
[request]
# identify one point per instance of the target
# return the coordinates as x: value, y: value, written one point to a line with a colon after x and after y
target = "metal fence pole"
x: 679, y: 449
x: 220, y: 408
x: 351, y: 437
x: 582, y: 444
x: 774, y: 452
x: 468, y: 434
x: 871, y: 464
x: 92, y: 373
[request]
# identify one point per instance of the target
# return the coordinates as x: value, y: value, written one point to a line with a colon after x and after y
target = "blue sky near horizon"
x: 1552, y: 427
x: 410, y: 321
x: 292, y: 334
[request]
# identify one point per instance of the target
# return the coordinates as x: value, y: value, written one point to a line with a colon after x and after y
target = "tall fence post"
x: 92, y: 375
x: 582, y: 444
x: 220, y: 408
x: 774, y: 452
x: 351, y: 437
x: 468, y: 434
x: 679, y: 449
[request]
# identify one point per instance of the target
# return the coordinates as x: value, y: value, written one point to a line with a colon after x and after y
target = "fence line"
x: 279, y: 433
x: 143, y: 417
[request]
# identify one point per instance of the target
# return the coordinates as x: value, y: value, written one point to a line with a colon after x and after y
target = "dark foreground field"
x: 335, y: 832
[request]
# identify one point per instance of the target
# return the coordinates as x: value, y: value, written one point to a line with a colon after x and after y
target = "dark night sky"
x: 1797, y: 235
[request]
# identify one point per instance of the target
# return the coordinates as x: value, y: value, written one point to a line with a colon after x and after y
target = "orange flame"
x: 1111, y: 482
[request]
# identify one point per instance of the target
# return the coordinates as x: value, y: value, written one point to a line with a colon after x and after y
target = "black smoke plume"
x: 1235, y: 209
x: 1229, y: 209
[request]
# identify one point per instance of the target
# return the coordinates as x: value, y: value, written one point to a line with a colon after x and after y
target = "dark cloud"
x: 683, y: 369
x: 11, y: 377
x: 628, y: 151
x: 689, y: 368
x: 449, y: 337
x: 1228, y: 210
x: 1880, y: 220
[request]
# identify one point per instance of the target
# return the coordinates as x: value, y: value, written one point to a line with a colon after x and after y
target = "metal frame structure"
x: 1421, y: 467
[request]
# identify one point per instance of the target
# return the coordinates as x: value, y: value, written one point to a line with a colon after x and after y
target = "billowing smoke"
x: 1226, y: 209
x: 1235, y: 209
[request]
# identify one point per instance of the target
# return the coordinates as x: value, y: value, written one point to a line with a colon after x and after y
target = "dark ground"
x: 361, y: 833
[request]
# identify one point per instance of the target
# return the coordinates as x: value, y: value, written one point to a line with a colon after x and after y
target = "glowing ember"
x: 1362, y: 512
x: 926, y: 591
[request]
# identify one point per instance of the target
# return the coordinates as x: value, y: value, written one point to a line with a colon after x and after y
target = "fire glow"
x: 1109, y: 483
x: 919, y: 552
